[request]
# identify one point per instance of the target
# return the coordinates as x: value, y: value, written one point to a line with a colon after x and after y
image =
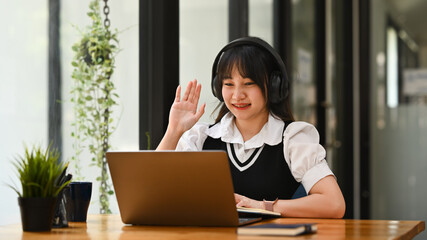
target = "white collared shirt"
x: 303, y: 153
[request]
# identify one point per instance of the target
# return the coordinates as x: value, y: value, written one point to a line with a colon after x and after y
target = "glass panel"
x: 23, y: 91
x: 261, y: 19
x: 399, y: 131
x: 124, y: 16
x: 332, y: 124
x: 304, y: 61
x: 392, y: 68
x: 203, y: 32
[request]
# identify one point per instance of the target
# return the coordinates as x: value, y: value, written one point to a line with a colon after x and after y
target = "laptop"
x: 173, y: 188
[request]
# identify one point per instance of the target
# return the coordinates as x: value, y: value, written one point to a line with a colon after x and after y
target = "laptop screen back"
x: 173, y: 188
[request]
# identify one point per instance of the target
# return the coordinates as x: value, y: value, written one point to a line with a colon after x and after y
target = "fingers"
x: 178, y: 94
x: 237, y: 197
x: 242, y: 201
x: 196, y: 96
x: 201, y: 111
x: 239, y: 200
x: 240, y: 204
x: 187, y: 91
x: 193, y: 91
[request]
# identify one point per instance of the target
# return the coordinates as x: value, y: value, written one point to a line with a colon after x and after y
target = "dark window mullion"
x: 238, y: 19
x: 364, y: 40
x: 320, y: 48
x: 54, y: 75
x: 282, y: 32
x: 159, y: 66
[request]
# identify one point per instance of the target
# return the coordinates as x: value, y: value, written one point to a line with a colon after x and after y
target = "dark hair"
x: 254, y: 63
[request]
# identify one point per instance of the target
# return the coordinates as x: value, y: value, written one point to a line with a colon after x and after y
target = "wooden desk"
x: 111, y: 227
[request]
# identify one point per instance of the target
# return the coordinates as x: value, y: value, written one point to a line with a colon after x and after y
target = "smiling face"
x: 244, y: 98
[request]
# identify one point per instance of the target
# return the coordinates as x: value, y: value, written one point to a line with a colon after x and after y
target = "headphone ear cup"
x: 278, y: 89
x: 214, y: 86
x: 275, y: 88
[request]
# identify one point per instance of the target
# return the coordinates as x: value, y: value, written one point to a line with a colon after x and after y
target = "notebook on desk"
x: 174, y: 188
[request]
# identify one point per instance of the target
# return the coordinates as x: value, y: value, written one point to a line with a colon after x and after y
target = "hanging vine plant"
x: 94, y: 96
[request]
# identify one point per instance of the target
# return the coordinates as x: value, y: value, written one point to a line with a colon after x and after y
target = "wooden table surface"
x: 111, y: 227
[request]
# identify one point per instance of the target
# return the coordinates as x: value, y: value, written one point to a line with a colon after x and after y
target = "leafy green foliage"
x: 40, y: 173
x: 147, y: 134
x: 94, y: 97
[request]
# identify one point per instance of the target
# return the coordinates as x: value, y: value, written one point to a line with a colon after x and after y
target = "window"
x: 125, y: 17
x: 23, y: 91
x: 203, y: 33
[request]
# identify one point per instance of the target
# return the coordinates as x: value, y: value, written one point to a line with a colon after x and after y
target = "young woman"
x: 270, y: 154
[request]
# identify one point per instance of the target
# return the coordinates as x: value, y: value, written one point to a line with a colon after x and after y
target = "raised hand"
x: 183, y: 115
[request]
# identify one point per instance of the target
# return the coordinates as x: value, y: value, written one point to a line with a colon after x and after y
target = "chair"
x: 300, y: 192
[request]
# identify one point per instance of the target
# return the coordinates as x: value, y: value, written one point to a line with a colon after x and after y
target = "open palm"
x: 184, y: 114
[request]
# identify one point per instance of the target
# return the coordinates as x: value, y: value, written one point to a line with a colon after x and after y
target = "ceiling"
x: 412, y: 15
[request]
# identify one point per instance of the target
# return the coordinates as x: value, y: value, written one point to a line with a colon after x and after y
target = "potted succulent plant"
x: 41, y: 175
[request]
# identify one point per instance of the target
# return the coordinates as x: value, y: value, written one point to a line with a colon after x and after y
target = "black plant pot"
x: 77, y: 200
x: 100, y: 55
x: 36, y: 213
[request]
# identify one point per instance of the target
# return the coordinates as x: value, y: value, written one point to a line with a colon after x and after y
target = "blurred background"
x: 358, y: 72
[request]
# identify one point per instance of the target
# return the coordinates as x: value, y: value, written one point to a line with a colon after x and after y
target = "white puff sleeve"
x: 193, y: 139
x: 304, y: 155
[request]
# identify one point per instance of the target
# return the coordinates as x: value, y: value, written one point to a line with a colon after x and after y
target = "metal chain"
x: 107, y: 22
x: 104, y: 197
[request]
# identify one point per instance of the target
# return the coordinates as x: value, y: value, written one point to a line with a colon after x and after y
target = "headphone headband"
x: 278, y: 84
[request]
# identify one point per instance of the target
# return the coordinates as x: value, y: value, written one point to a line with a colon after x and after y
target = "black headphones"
x: 278, y: 81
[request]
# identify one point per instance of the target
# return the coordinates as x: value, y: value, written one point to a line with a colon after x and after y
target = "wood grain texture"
x: 111, y: 227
